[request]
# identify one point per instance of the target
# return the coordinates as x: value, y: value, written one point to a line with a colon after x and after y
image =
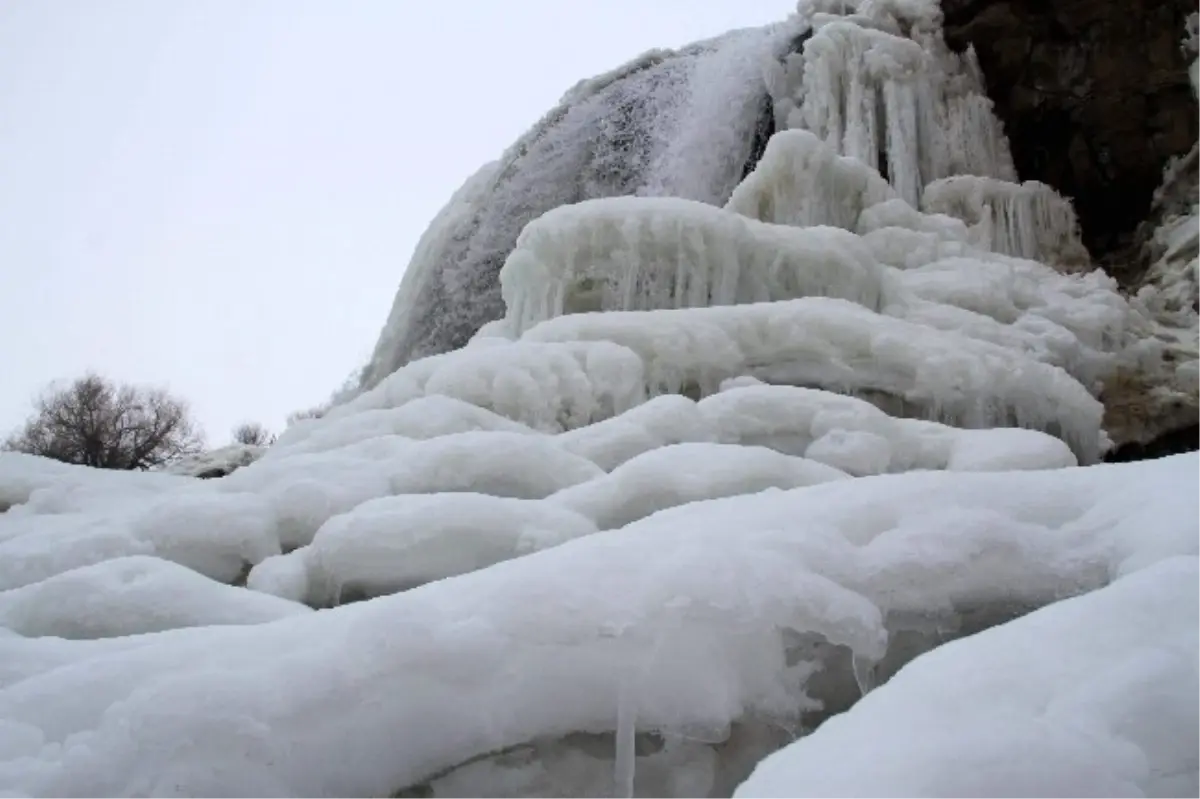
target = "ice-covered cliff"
x: 680, y: 124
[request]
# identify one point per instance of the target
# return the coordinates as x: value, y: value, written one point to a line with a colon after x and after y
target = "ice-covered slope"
x: 713, y: 475
x: 678, y: 124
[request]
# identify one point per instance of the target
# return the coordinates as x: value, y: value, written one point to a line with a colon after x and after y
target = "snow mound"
x: 1092, y: 696
x: 218, y: 462
x: 840, y: 346
x: 679, y: 625
x: 217, y: 535
x: 854, y: 436
x: 392, y: 544
x: 131, y: 595
x: 681, y: 473
x: 665, y: 419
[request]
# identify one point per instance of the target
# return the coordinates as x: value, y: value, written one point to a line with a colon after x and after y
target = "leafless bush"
x: 94, y: 422
x: 252, y: 434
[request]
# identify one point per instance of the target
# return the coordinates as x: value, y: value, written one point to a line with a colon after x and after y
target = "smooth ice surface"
x: 1092, y: 696
x: 131, y: 595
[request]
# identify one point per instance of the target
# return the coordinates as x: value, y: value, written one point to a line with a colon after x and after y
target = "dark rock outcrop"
x: 1094, y: 96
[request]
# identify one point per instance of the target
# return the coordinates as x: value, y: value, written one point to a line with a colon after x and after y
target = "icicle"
x: 903, y: 165
x: 625, y: 760
x: 864, y: 673
x: 1028, y: 220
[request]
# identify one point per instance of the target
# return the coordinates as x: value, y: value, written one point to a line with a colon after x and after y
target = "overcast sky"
x: 220, y: 196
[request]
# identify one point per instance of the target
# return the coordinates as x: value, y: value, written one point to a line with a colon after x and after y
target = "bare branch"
x: 93, y: 422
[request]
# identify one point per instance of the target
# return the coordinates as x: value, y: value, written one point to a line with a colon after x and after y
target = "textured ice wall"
x: 679, y: 124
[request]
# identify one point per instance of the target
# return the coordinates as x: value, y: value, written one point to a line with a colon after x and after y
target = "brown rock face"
x: 1094, y: 96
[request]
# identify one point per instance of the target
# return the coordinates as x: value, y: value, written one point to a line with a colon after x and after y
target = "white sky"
x: 220, y: 196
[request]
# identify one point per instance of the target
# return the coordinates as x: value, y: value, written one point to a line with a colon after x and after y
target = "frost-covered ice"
x: 130, y: 595
x: 837, y: 345
x: 669, y: 123
x: 682, y: 473
x: 644, y: 254
x: 395, y: 543
x: 1092, y: 696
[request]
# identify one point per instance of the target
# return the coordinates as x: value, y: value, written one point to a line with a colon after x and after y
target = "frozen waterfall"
x: 732, y: 434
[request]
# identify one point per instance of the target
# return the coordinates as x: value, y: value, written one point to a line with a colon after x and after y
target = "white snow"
x: 217, y: 462
x: 401, y: 688
x: 802, y: 182
x: 396, y: 543
x: 131, y: 595
x: 681, y: 473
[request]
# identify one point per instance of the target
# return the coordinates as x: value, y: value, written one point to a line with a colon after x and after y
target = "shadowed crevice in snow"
x: 1174, y: 442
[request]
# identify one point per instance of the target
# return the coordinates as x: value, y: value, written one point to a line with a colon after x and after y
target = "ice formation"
x: 780, y: 456
x: 678, y: 124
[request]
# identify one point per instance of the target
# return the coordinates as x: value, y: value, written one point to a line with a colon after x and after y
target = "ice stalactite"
x: 1028, y: 220
x: 859, y: 98
x: 877, y: 83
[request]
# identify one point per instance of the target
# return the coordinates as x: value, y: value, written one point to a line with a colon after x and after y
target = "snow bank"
x: 55, y: 487
x: 681, y: 623
x: 853, y: 435
x: 665, y: 419
x: 419, y: 419
x: 644, y: 254
x: 844, y: 347
x: 1092, y: 696
x: 218, y: 462
x: 390, y: 545
x: 681, y: 473
x: 547, y: 387
x: 218, y: 535
x: 131, y: 595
